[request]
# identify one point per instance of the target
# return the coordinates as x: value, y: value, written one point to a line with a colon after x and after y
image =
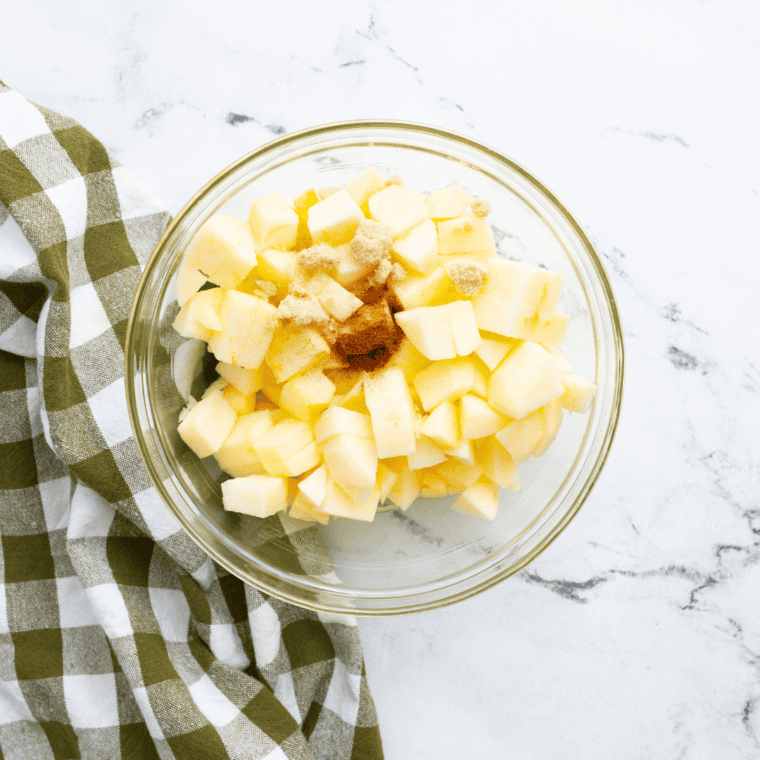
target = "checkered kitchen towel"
x: 118, y: 636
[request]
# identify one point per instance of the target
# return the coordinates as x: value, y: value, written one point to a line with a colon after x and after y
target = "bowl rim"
x: 617, y: 370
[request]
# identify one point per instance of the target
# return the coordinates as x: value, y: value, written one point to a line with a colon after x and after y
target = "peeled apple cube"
x: 336, y: 420
x: 459, y: 474
x: 295, y: 350
x: 335, y: 219
x: 335, y: 299
x: 480, y: 500
x: 427, y: 454
x: 223, y: 249
x: 247, y: 327
x: 351, y: 461
x: 498, y: 463
x: 422, y: 290
x: 349, y: 270
x: 551, y: 419
x: 551, y: 296
x: 445, y: 381
x: 409, y: 359
x: 406, y: 489
x: 247, y: 381
x: 491, y: 351
x: 278, y: 267
x: 577, y: 394
x: 525, y: 380
x: 273, y: 221
x: 464, y: 327
x: 307, y: 394
x: 433, y: 487
x: 283, y: 441
x: 463, y: 452
x: 363, y: 185
x: 516, y: 281
x: 560, y: 361
x: 429, y: 329
x: 386, y: 479
x: 206, y: 426
x: 306, y: 459
x: 551, y: 332
x: 314, y: 486
x: 392, y: 413
x: 477, y: 419
x: 467, y: 234
x: 240, y: 403
x: 418, y: 249
x: 199, y: 317
x: 339, y: 504
x: 448, y: 202
x: 399, y: 208
x: 521, y: 437
x: 503, y: 316
x: 442, y: 425
x: 257, y: 495
x: 236, y: 456
x: 301, y: 509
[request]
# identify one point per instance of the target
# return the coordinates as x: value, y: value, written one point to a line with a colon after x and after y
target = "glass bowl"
x: 429, y: 555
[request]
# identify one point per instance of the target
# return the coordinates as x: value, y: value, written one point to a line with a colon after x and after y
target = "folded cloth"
x: 119, y: 637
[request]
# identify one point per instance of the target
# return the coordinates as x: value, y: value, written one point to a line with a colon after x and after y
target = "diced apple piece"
x: 406, y: 489
x: 516, y: 281
x: 338, y: 503
x: 503, y: 316
x: 459, y: 474
x: 491, y: 351
x: 240, y: 403
x: 480, y: 500
x: 314, y: 486
x: 307, y: 394
x: 481, y: 383
x: 525, y: 380
x: 477, y: 418
x: 349, y: 270
x: 295, y: 350
x: 223, y: 249
x: 550, y: 299
x: 269, y: 386
x: 278, y: 267
x: 422, y: 290
x: 560, y: 360
x: 189, y: 281
x: 552, y: 331
x: 442, y: 425
x: 577, y: 394
x: 206, y: 426
x: 336, y: 420
x: 418, y: 249
x: 351, y: 461
x: 386, y: 479
x: 334, y: 220
x: 464, y: 328
x: 247, y: 327
x: 448, y: 202
x: 551, y: 419
x: 399, y: 208
x: 467, y: 234
x: 433, y: 487
x: 344, y: 378
x: 464, y: 452
x: 391, y: 409
x: 247, y: 381
x: 522, y: 436
x: 236, y: 456
x: 353, y: 399
x: 498, y: 463
x: 199, y: 317
x: 363, y: 185
x: 283, y: 441
x: 335, y: 299
x: 306, y: 459
x: 429, y: 329
x: 427, y: 454
x: 301, y: 509
x: 409, y: 359
x: 445, y: 381
x: 274, y: 222
x: 257, y: 495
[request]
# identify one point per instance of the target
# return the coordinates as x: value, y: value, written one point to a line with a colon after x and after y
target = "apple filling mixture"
x: 371, y: 347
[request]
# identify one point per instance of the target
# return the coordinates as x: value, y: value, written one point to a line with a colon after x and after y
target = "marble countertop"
x: 637, y: 633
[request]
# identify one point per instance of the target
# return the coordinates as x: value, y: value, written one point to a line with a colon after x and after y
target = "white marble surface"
x: 637, y: 634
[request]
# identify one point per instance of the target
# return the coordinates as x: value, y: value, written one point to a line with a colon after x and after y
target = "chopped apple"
x: 491, y: 351
x: 513, y: 319
x: 433, y: 486
x: 422, y: 290
x: 247, y: 381
x: 386, y: 479
x: 448, y: 202
x: 442, y: 425
x: 336, y: 300
x: 418, y: 249
x: 257, y: 495
x: 525, y: 380
x: 498, y: 463
x: 334, y: 220
x: 301, y: 509
x: 307, y: 394
x: 445, y: 381
x: 480, y: 500
x: 283, y: 442
x: 199, y: 317
x: 552, y: 331
x: 278, y: 267
x: 207, y: 424
x: 477, y: 418
x: 521, y: 436
x: 516, y: 281
x: 429, y: 329
x: 338, y: 503
x: 364, y: 185
x: 560, y: 360
x: 240, y: 403
x: 551, y: 419
x: 295, y: 350
x: 274, y: 222
x: 349, y: 270
x: 351, y: 461
x: 353, y: 399
x: 399, y: 208
x: 406, y: 489
x: 577, y: 394
x: 314, y: 486
x: 552, y: 294
x: 391, y: 409
x: 304, y: 201
x: 467, y: 234
x: 248, y: 324
x: 409, y: 359
x: 464, y: 327
x: 236, y: 456
x: 427, y: 454
x: 336, y: 420
x: 464, y: 452
x: 481, y: 383
x: 459, y: 474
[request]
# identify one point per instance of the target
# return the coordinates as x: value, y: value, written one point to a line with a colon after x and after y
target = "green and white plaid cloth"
x: 119, y: 638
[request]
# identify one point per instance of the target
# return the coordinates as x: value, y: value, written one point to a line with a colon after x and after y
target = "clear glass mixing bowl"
x: 428, y: 556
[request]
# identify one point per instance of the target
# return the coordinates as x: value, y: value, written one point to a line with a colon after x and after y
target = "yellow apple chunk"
x: 442, y: 425
x: 448, y: 202
x: 551, y: 419
x: 247, y: 381
x: 307, y: 394
x: 391, y: 409
x: 295, y: 350
x: 427, y: 454
x: 207, y: 424
x: 429, y: 329
x: 498, y: 463
x: 492, y: 351
x: 334, y: 220
x: 335, y: 299
x: 467, y: 234
x: 418, y: 249
x: 301, y: 509
x: 477, y: 419
x: 464, y: 327
x: 445, y: 381
x: 406, y: 489
x: 577, y: 394
x: 521, y: 437
x: 399, y: 208
x: 422, y: 290
x: 313, y: 487
x: 257, y: 495
x: 236, y: 456
x: 274, y: 222
x: 199, y: 317
x: 386, y: 479
x: 363, y: 185
x: 480, y: 500
x: 336, y: 420
x: 283, y: 442
x: 338, y: 503
x: 351, y: 461
x: 464, y: 452
x: 459, y: 474
x: 240, y: 403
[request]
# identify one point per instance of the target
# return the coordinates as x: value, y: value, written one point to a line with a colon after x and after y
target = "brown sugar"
x: 371, y: 242
x: 302, y: 310
x: 480, y: 207
x: 467, y: 275
x: 319, y: 256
